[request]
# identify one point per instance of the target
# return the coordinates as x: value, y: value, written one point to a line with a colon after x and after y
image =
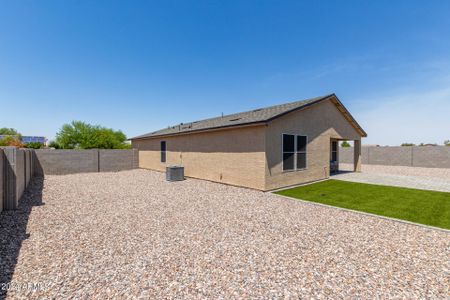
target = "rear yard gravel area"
x: 131, y: 234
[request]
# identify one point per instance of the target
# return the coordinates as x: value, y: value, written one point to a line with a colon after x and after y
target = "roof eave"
x: 343, y: 110
x: 217, y: 128
x: 349, y: 117
x: 301, y: 107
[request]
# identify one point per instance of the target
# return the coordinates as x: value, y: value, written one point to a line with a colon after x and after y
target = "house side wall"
x: 320, y: 123
x: 232, y: 156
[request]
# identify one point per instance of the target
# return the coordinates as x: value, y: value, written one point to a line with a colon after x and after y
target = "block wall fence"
x: 60, y: 162
x: 413, y: 156
x: 16, y: 171
x: 18, y: 166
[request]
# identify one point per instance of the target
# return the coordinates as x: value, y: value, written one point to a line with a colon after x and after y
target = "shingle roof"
x: 244, y: 118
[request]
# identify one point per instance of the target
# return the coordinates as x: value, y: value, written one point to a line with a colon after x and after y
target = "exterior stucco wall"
x: 232, y: 156
x: 320, y: 123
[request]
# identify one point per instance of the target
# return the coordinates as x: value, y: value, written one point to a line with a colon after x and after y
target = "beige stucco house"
x: 265, y: 149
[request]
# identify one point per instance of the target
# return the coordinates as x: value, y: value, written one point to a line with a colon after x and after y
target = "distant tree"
x: 8, y: 131
x: 34, y: 145
x: 447, y: 143
x: 407, y: 144
x: 345, y: 144
x: 80, y: 135
x: 54, y: 144
x: 11, y: 141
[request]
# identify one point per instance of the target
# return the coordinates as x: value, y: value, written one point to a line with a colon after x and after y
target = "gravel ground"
x: 132, y: 234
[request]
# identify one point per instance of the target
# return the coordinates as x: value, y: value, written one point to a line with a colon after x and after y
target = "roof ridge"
x: 256, y: 109
x: 256, y: 115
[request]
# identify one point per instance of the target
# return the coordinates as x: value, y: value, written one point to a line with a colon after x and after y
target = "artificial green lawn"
x: 419, y: 206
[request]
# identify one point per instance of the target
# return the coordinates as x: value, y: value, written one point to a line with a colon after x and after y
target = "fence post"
x: 10, y: 178
x: 98, y: 160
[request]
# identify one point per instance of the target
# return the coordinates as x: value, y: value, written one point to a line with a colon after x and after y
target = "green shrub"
x: 34, y: 145
x: 11, y: 141
x: 54, y: 144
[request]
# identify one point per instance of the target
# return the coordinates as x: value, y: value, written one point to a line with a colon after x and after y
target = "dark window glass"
x: 301, y: 160
x: 163, y: 151
x: 334, y: 146
x: 301, y: 143
x: 288, y: 143
x: 288, y: 161
x: 334, y: 156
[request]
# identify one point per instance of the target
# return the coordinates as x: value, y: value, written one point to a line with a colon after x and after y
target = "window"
x: 334, y: 149
x: 301, y: 151
x: 163, y: 151
x: 294, y: 152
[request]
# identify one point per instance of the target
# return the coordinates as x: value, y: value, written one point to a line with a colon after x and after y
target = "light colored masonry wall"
x: 320, y: 123
x: 232, y: 156
x: 17, y: 166
x: 415, y: 156
x: 111, y: 160
x: 2, y: 178
x: 59, y: 162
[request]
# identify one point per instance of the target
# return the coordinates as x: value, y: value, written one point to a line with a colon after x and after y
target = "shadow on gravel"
x: 13, y: 226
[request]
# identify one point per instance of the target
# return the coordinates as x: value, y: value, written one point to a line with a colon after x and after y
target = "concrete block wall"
x: 415, y: 156
x: 20, y: 174
x: 116, y: 160
x: 431, y: 157
x: 60, y: 162
x: 2, y: 179
x: 17, y: 170
x: 393, y: 156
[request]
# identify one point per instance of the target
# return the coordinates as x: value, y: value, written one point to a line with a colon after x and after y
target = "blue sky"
x: 139, y: 66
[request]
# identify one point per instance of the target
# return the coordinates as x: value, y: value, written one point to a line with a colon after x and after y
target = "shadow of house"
x: 13, y: 231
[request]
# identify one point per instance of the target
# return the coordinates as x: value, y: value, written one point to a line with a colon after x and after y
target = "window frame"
x: 295, y: 152
x: 334, y: 151
x: 163, y: 152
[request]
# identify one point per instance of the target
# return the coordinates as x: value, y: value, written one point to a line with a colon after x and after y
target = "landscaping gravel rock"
x: 131, y: 234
